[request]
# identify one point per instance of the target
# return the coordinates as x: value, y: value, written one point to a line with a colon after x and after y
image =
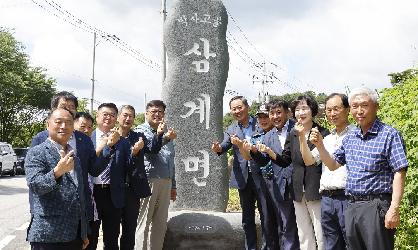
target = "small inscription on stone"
x: 196, y: 18
x: 200, y: 228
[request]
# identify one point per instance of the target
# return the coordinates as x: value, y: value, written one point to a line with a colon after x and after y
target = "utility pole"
x: 164, y: 56
x: 92, y: 77
x: 263, y: 96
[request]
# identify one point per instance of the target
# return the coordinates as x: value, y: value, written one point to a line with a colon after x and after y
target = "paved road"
x: 14, y: 213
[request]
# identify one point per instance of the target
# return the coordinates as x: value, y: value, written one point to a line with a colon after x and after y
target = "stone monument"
x: 197, y: 51
x: 198, y: 60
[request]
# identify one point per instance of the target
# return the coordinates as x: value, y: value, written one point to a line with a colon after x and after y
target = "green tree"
x: 25, y: 93
x: 399, y: 108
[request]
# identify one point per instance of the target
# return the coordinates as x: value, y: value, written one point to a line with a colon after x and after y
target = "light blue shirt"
x: 159, y: 165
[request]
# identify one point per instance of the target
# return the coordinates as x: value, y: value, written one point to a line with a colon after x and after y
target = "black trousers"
x: 247, y: 198
x: 109, y: 215
x: 365, y: 225
x: 94, y: 235
x: 72, y: 245
x: 129, y: 220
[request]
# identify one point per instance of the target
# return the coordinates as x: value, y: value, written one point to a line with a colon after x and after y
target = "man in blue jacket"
x: 243, y: 175
x: 57, y: 187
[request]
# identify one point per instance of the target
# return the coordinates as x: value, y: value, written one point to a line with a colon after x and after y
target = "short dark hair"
x: 84, y: 115
x: 63, y: 95
x: 156, y: 103
x: 130, y: 107
x: 239, y: 97
x: 278, y: 104
x: 343, y: 97
x: 108, y: 105
x: 310, y: 101
x: 53, y: 110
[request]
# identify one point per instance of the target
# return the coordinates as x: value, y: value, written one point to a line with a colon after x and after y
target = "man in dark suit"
x: 83, y: 149
x: 279, y: 181
x: 110, y: 185
x: 138, y: 185
x: 56, y: 184
x: 244, y: 176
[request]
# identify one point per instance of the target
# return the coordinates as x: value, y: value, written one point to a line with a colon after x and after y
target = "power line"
x: 244, y: 35
x: 68, y: 17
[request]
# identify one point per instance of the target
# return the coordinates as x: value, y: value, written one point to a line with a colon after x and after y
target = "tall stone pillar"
x: 198, y: 59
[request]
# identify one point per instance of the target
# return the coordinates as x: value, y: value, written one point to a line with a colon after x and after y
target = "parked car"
x: 21, y: 154
x: 8, y: 159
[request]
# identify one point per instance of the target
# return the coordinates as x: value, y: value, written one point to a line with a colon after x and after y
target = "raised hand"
x: 236, y: 140
x: 262, y: 148
x: 249, y: 146
x: 138, y: 146
x: 315, y: 137
x: 161, y: 127
x: 171, y: 134
x: 216, y: 147
x: 113, y: 138
x: 65, y: 164
x: 299, y: 128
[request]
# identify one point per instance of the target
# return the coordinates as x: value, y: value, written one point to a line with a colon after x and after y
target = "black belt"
x: 103, y: 186
x: 333, y: 192
x: 368, y: 197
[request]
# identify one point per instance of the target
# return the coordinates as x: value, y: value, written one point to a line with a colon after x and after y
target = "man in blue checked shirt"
x: 374, y: 155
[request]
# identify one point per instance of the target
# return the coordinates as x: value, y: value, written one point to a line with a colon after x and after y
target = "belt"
x: 103, y: 186
x: 368, y: 197
x: 333, y: 192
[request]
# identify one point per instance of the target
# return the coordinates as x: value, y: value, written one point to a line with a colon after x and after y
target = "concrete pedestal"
x: 205, y: 230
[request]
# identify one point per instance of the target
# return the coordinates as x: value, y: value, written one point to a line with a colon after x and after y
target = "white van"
x: 8, y: 160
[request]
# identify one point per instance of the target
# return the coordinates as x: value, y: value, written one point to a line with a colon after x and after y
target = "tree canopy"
x: 25, y: 92
x: 399, y: 108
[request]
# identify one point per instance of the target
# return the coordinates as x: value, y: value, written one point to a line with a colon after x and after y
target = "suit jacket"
x: 240, y: 170
x: 90, y: 164
x: 282, y: 174
x: 58, y: 206
x: 137, y: 178
x: 304, y: 178
x: 121, y: 164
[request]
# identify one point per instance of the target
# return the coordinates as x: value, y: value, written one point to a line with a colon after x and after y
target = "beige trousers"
x: 308, y: 219
x: 153, y: 213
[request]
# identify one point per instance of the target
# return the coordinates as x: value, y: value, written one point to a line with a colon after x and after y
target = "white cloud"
x: 326, y: 44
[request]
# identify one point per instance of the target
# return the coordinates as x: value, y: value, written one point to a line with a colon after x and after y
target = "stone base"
x: 205, y: 230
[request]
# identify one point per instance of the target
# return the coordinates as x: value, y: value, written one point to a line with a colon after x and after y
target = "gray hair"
x: 363, y: 91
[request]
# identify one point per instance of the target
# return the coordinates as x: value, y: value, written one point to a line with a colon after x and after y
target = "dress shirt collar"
x: 373, y: 130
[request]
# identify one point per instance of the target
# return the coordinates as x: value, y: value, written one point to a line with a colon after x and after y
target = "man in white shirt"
x: 332, y: 183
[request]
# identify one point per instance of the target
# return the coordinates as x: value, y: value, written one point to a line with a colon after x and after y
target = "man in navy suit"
x: 83, y: 149
x: 138, y: 185
x: 56, y: 186
x: 279, y: 182
x: 110, y: 185
x: 244, y: 176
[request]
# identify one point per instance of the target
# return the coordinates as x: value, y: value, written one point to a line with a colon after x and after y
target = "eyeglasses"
x: 110, y: 115
x: 156, y: 111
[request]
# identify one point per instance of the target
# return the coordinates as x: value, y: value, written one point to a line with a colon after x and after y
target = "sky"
x: 323, y: 46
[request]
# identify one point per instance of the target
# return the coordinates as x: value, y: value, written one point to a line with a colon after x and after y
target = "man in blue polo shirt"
x: 375, y: 158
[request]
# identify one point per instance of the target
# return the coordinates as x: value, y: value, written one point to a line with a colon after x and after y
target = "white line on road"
x: 24, y: 226
x: 6, y: 240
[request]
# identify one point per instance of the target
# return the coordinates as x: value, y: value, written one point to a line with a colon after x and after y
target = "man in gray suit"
x: 55, y: 181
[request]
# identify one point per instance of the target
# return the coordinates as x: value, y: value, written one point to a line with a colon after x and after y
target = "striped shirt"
x: 372, y: 159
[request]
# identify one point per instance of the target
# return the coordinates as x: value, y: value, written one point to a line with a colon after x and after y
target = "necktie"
x: 105, y: 175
